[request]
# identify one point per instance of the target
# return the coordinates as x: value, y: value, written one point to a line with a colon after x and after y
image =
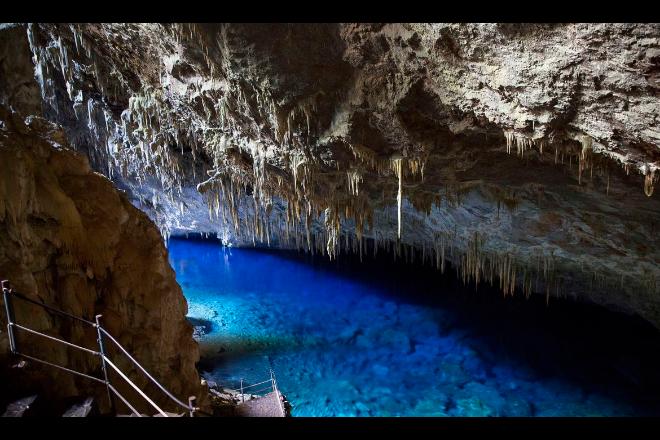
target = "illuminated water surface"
x: 375, y: 340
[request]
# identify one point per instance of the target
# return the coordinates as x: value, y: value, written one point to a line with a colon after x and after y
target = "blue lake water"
x: 376, y: 340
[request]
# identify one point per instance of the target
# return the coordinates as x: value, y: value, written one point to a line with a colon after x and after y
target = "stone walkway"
x: 265, y: 406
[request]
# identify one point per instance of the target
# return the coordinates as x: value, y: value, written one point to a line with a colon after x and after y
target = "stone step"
x: 169, y: 414
x: 19, y: 407
x: 80, y: 410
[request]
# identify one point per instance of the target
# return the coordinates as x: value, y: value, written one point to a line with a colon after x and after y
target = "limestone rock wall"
x: 524, y: 155
x: 69, y: 239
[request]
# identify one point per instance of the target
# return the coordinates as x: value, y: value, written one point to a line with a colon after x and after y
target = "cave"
x: 330, y: 220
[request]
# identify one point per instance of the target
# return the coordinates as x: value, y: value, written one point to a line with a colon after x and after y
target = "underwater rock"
x: 390, y: 308
x: 380, y: 370
x: 349, y: 335
x: 396, y: 338
x: 430, y: 408
x: 201, y: 327
x: 452, y: 373
x: 478, y: 400
x: 426, y: 329
x: 472, y: 406
x: 516, y: 406
x: 362, y: 409
x: 364, y: 341
x: 201, y: 311
x: 473, y: 364
x: 439, y: 345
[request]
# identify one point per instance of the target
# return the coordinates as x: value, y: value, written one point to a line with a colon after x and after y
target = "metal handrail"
x: 273, y: 387
x: 146, y: 373
x: 255, y: 384
x: 243, y: 388
x: 52, y: 309
x: 11, y: 324
x: 123, y: 399
x: 135, y: 387
x: 278, y: 395
x: 79, y: 347
x: 60, y: 367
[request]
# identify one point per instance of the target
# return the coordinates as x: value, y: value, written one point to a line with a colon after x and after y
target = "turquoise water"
x: 381, y: 340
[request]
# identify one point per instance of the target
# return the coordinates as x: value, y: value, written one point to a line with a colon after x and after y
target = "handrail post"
x: 103, y: 367
x: 276, y: 391
x: 6, y: 296
x: 191, y: 404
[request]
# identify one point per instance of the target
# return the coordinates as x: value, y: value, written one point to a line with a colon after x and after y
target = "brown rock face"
x: 69, y: 239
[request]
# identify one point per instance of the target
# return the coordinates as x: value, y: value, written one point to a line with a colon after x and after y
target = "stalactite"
x: 141, y: 143
x: 354, y: 178
x: 398, y: 170
x: 522, y: 142
x: 509, y: 135
x: 649, y: 183
x: 585, y: 155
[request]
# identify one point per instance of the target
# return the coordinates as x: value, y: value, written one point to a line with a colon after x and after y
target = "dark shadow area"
x: 585, y: 342
x: 201, y: 326
x: 230, y: 349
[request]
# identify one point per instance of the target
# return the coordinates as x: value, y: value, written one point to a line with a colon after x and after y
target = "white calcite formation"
x: 525, y: 155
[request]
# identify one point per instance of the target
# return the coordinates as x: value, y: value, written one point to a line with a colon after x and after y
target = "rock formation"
x: 522, y: 155
x: 69, y: 239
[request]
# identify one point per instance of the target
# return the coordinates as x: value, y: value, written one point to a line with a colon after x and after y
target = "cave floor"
x: 377, y: 341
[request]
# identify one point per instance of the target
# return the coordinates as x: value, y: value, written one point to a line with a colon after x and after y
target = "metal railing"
x: 270, y: 388
x: 8, y: 294
x: 278, y: 395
